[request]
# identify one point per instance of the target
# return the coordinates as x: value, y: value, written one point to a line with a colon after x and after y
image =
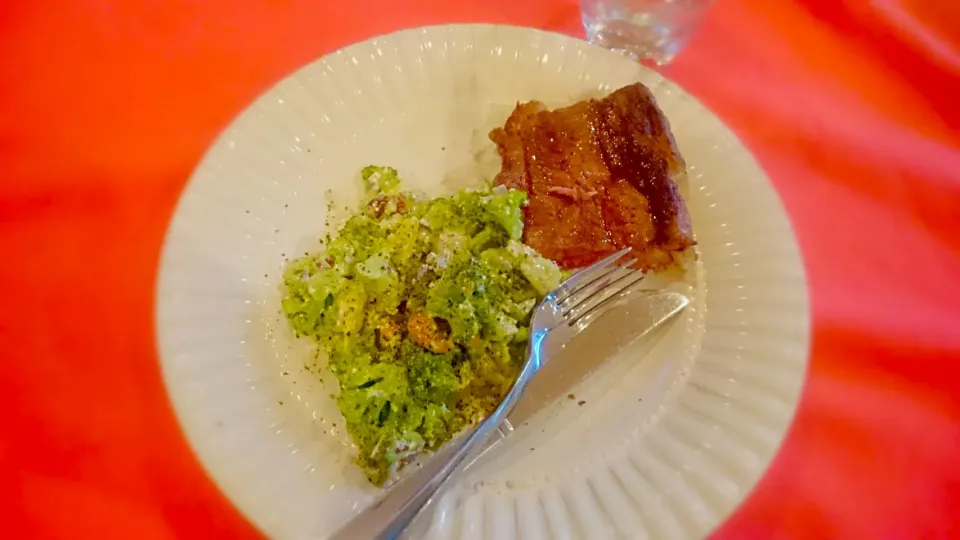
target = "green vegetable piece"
x: 504, y: 327
x: 380, y: 180
x: 464, y: 322
x: 439, y: 214
x: 379, y: 277
x: 505, y: 210
x: 351, y: 304
x: 432, y: 377
x: 325, y: 282
x: 408, y: 245
x: 438, y: 421
x: 542, y: 273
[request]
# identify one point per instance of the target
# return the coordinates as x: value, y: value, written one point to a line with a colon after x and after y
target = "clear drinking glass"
x: 646, y: 29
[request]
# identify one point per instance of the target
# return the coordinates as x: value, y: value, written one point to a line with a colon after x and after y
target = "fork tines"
x: 598, y: 286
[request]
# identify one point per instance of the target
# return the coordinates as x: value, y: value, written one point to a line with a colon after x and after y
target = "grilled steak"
x: 601, y: 176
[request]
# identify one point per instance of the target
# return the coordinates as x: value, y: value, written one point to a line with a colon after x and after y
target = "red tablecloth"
x: 107, y: 106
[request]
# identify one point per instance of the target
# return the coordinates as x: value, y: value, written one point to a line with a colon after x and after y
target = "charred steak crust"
x: 601, y: 176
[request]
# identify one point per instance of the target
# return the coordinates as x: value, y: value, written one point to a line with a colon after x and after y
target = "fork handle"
x: 387, y: 518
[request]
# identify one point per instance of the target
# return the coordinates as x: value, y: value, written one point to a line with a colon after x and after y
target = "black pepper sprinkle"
x: 247, y: 211
x: 571, y: 396
x: 280, y: 402
x: 581, y: 402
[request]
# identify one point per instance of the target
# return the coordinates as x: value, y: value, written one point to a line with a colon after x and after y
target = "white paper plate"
x: 674, y: 432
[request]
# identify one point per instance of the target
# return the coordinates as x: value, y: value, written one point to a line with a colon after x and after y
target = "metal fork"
x: 559, y: 317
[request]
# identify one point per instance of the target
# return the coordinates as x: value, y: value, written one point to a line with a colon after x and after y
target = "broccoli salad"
x: 422, y: 309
